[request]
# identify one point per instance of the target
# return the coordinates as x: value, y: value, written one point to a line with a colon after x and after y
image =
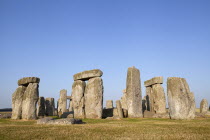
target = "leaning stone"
x: 94, y: 98
x: 27, y: 80
x: 181, y: 101
x: 50, y: 106
x: 41, y: 107
x: 30, y: 99
x: 17, y: 99
x: 119, y: 108
x: 109, y: 104
x: 155, y: 80
x: 86, y: 75
x: 133, y: 93
x: 62, y: 103
x: 159, y: 100
x: 204, y: 106
x: 78, y: 90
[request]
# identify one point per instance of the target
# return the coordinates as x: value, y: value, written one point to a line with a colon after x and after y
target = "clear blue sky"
x: 54, y: 39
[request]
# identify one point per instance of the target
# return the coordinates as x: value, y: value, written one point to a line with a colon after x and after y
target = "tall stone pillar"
x: 62, y: 103
x: 50, y: 106
x: 204, y: 106
x: 30, y: 99
x: 17, y: 99
x: 133, y: 93
x: 78, y: 103
x: 41, y: 107
x: 94, y: 98
x: 119, y: 108
x: 180, y: 100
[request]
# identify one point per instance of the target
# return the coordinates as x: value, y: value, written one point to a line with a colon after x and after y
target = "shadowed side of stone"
x: 86, y: 75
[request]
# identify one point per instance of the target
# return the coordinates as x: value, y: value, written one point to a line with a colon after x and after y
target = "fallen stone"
x: 26, y: 80
x: 50, y: 106
x: 86, y: 75
x: 94, y: 98
x: 41, y: 107
x: 17, y: 99
x: 155, y: 80
x: 30, y: 99
x: 78, y: 103
x: 133, y: 93
x: 180, y: 100
x: 204, y: 106
x: 67, y: 121
x: 5, y: 115
x: 109, y: 104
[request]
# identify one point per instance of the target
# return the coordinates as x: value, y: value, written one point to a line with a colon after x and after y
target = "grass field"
x: 109, y: 129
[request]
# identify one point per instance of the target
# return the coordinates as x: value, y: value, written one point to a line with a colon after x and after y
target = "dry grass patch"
x: 108, y: 129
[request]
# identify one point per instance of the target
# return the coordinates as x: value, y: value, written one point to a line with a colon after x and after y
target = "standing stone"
x: 50, y: 106
x: 149, y: 99
x: 204, y: 106
x: 41, y: 107
x: 144, y: 104
x: 159, y: 101
x: 94, y: 98
x: 70, y: 106
x: 123, y: 100
x: 62, y: 103
x: 133, y: 93
x: 78, y: 90
x: 181, y: 101
x: 17, y: 99
x: 30, y: 99
x: 119, y: 108
x: 109, y: 104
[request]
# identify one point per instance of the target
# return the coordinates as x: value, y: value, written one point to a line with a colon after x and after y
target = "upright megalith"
x: 180, y: 100
x: 109, y: 104
x: 119, y: 108
x: 133, y: 93
x: 24, y: 99
x: 30, y: 99
x: 78, y: 102
x: 17, y: 99
x: 50, y: 106
x: 87, y: 99
x: 155, y: 96
x: 41, y: 107
x: 62, y: 102
x: 94, y: 98
x: 204, y: 106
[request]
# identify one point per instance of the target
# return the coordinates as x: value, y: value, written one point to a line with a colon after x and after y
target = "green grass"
x: 109, y: 129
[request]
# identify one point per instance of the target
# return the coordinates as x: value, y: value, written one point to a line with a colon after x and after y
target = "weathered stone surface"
x: 67, y: 121
x: 27, y: 80
x: 204, y: 106
x: 78, y: 90
x: 155, y: 80
x: 115, y: 112
x: 109, y: 104
x: 119, y: 108
x: 133, y: 93
x: 17, y: 99
x: 50, y: 106
x: 123, y: 100
x: 159, y: 100
x: 62, y: 102
x: 94, y: 98
x: 107, y: 113
x: 125, y: 113
x: 30, y: 99
x: 86, y: 75
x: 181, y: 101
x: 41, y: 107
x: 149, y: 99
